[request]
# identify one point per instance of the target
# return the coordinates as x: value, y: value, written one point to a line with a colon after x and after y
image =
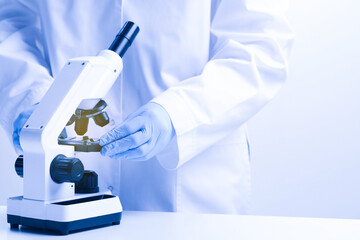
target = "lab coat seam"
x: 46, y: 53
x: 249, y: 186
x: 177, y: 207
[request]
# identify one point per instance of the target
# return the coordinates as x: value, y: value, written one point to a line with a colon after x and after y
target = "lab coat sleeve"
x: 250, y: 40
x: 24, y: 74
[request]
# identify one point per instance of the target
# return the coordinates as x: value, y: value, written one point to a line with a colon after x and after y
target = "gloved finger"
x: 139, y: 152
x: 20, y: 121
x: 18, y: 124
x: 143, y: 152
x: 128, y: 127
x: 129, y: 142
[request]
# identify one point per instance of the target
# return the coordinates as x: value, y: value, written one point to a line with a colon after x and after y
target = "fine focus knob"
x: 19, y: 166
x: 65, y: 169
x: 88, y: 184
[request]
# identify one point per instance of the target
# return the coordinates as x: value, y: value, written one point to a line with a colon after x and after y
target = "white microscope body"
x: 49, y: 200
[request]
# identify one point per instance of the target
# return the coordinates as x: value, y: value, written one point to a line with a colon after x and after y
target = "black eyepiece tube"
x: 124, y: 38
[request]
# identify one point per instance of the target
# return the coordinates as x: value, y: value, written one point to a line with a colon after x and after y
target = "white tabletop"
x: 159, y: 225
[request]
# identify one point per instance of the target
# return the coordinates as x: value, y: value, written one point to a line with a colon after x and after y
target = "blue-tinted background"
x: 305, y: 145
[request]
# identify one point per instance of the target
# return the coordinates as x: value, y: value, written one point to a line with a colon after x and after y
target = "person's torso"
x: 173, y: 45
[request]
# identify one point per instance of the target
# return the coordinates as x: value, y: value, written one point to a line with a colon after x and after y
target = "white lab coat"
x: 211, y: 64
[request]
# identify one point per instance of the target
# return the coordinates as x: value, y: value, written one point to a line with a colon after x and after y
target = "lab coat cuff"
x: 169, y: 157
x: 181, y: 120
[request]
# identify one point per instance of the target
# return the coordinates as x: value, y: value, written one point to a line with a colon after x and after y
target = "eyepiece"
x: 124, y: 38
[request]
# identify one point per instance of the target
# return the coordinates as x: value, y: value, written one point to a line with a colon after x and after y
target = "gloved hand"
x: 19, y: 124
x: 142, y: 135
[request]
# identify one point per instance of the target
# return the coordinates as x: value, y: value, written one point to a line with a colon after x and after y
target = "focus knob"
x: 88, y: 184
x: 19, y: 166
x: 65, y: 169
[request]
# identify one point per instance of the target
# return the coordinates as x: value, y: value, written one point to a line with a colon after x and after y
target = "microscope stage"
x: 81, y: 144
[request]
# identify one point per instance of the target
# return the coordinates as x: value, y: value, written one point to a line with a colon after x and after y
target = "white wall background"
x: 306, y: 143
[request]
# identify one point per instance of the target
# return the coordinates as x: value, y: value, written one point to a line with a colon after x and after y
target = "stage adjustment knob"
x: 65, y: 169
x: 88, y: 184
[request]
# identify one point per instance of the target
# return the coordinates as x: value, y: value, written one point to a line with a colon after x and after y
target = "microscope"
x: 58, y: 194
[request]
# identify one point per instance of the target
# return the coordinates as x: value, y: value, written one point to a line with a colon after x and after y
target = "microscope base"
x: 65, y: 216
x: 64, y: 227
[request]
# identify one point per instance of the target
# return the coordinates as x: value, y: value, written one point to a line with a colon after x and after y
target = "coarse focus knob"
x: 19, y: 166
x: 66, y: 169
x: 88, y: 184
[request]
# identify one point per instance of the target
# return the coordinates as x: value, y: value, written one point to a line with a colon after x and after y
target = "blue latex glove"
x: 19, y: 124
x: 142, y: 135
